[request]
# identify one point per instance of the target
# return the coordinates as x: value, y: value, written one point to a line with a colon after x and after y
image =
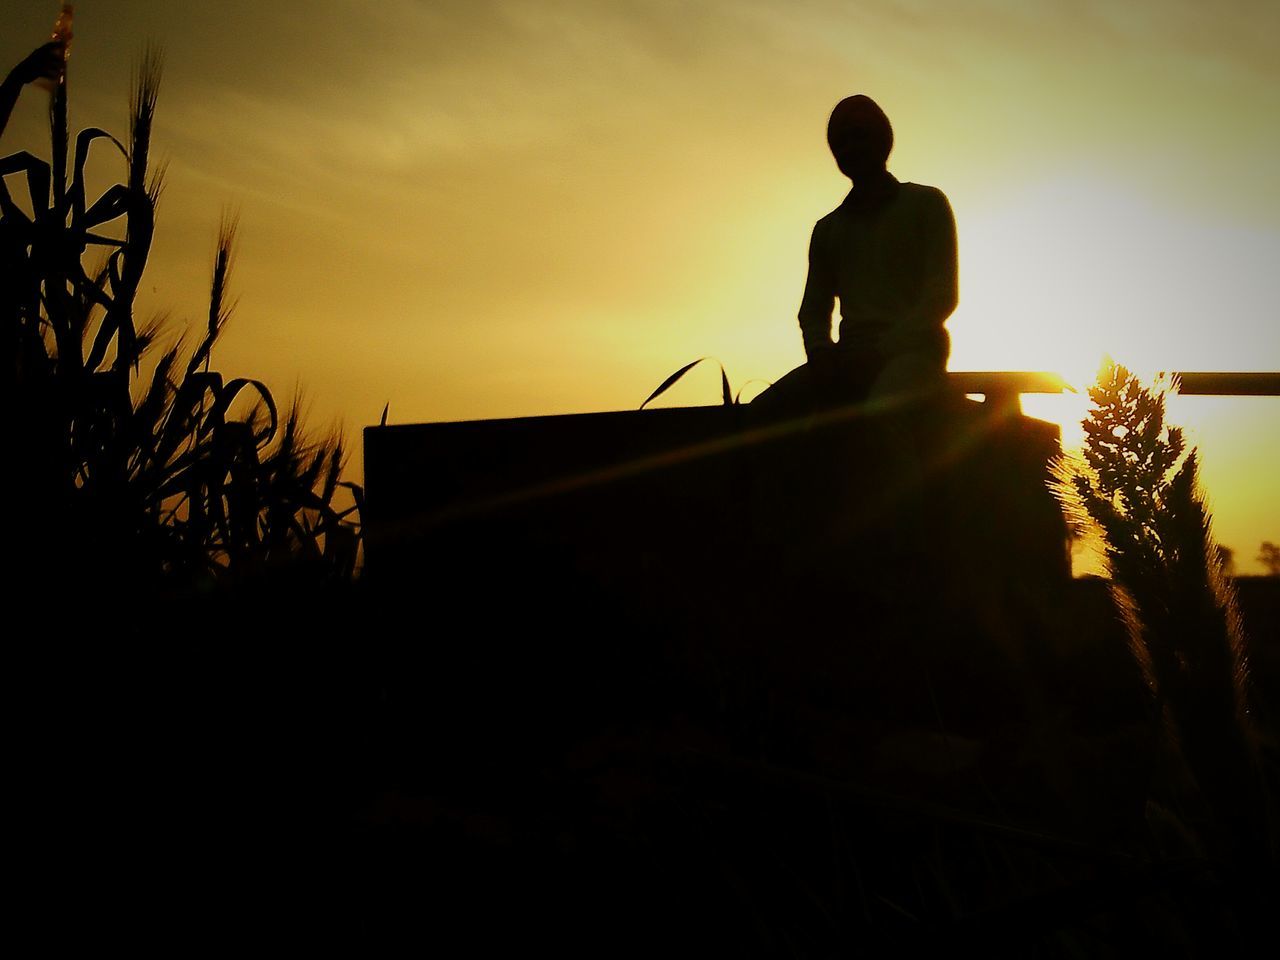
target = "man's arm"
x: 939, y: 289
x: 936, y: 287
x: 819, y: 296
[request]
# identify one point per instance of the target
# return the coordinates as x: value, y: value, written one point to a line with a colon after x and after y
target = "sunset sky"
x: 473, y: 209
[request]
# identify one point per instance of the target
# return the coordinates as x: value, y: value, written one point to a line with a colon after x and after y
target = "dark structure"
x: 683, y: 511
x: 723, y: 523
x: 670, y: 509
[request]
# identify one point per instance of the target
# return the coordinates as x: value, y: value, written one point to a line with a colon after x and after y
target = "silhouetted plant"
x: 727, y: 397
x: 1269, y: 557
x: 1135, y: 488
x: 178, y: 472
x: 1226, y: 560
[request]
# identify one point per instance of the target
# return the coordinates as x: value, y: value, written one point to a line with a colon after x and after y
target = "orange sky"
x: 475, y: 209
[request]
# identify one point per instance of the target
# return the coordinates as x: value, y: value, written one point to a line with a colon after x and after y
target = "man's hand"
x: 46, y: 62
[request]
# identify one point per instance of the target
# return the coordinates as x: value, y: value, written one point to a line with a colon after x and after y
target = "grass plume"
x: 1135, y: 491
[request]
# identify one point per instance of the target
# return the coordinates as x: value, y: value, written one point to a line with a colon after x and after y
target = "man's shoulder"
x: 826, y: 221
x: 827, y: 229
x: 924, y: 195
x: 922, y: 191
x: 908, y: 195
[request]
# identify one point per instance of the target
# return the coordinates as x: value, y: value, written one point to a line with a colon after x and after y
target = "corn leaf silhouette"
x: 180, y: 472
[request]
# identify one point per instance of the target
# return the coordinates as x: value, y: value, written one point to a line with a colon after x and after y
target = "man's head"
x: 860, y: 137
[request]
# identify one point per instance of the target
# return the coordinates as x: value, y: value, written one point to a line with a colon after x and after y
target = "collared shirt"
x: 891, y: 261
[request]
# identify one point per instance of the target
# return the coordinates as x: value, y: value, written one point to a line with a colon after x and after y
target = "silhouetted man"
x: 888, y: 253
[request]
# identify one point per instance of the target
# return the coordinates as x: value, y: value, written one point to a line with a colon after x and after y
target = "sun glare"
x: 1070, y: 270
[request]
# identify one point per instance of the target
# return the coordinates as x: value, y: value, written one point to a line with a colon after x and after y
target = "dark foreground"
x: 687, y: 683
x: 543, y: 770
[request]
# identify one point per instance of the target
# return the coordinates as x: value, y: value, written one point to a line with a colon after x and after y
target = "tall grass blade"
x: 667, y: 383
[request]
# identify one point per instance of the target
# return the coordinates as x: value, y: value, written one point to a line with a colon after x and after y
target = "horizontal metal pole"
x: 1005, y: 382
x: 1230, y: 384
x: 1192, y: 383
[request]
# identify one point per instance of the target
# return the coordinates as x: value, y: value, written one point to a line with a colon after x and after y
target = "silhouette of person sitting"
x: 888, y: 253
